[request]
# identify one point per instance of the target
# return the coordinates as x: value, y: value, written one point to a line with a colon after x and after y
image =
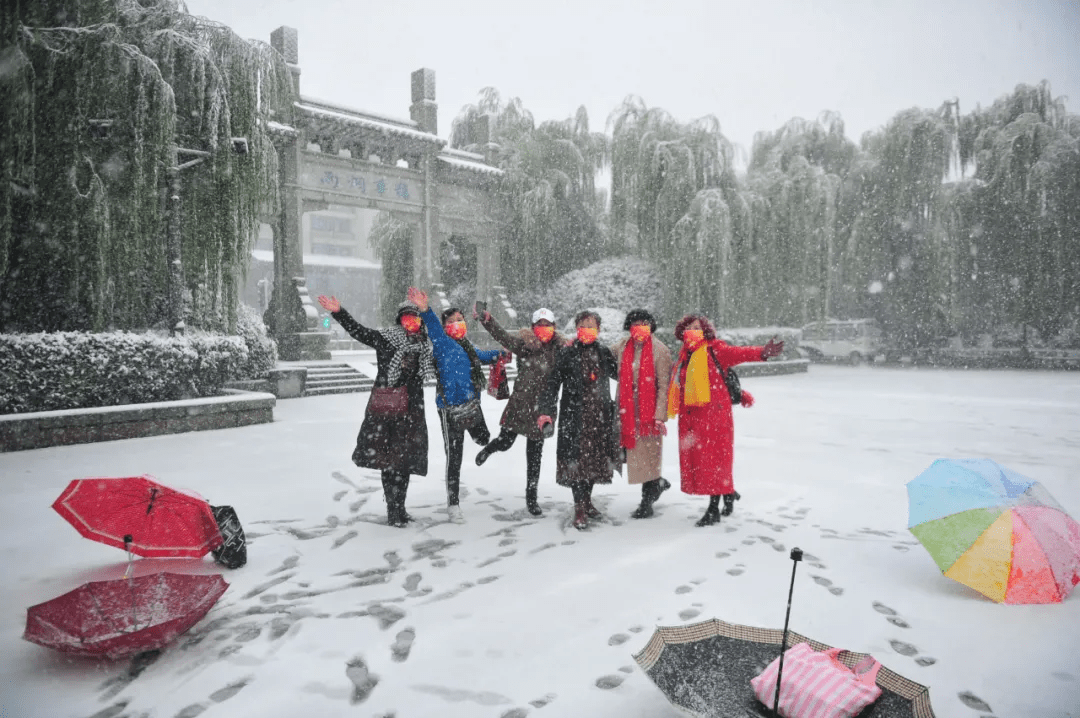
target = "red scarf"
x: 646, y: 393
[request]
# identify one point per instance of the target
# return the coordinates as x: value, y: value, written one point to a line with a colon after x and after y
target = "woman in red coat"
x: 699, y: 397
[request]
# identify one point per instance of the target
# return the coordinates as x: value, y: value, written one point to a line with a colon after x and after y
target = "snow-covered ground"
x: 510, y: 615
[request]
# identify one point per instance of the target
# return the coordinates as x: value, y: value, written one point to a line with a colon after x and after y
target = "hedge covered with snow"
x: 625, y: 283
x: 72, y: 370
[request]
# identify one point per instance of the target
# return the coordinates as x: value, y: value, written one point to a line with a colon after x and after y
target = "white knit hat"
x: 543, y: 313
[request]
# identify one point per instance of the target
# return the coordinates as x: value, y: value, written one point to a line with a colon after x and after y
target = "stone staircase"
x: 335, y: 379
x: 341, y: 378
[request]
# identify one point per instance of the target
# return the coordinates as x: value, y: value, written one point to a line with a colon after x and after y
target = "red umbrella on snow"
x: 140, y: 515
x: 123, y: 617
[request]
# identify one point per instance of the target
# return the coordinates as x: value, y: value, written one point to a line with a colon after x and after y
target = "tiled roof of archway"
x: 468, y: 161
x: 315, y: 109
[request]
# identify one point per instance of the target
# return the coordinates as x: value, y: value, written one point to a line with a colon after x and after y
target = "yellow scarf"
x: 697, y: 392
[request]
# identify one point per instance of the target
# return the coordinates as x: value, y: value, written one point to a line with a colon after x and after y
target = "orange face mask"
x: 456, y: 330
x: 543, y: 333
x: 640, y: 332
x: 411, y: 323
x: 587, y: 335
x: 691, y: 337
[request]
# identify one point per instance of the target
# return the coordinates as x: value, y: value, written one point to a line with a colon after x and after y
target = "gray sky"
x: 753, y: 65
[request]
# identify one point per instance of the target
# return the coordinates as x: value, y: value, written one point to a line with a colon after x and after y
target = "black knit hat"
x: 447, y: 312
x: 406, y: 308
x: 637, y: 315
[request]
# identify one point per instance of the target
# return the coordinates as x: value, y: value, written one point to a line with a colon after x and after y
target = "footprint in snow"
x: 543, y: 701
x: 343, y: 478
x: 342, y: 539
x: 387, y: 615
x: 412, y: 581
x: 618, y: 639
x: 610, y: 681
x: 904, y: 649
x: 890, y: 615
x: 288, y: 563
x: 363, y: 680
x: 684, y: 589
x: 626, y: 669
x: 688, y: 613
x: 735, y: 571
x: 403, y: 645
x: 973, y: 702
x: 515, y: 713
x: 639, y: 629
x: 224, y: 694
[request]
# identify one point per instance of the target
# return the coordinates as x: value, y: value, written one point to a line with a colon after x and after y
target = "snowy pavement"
x: 508, y: 615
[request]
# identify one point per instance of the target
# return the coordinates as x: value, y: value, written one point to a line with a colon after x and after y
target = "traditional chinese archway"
x: 334, y: 155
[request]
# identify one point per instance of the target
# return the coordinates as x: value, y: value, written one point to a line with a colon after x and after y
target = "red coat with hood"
x: 707, y: 433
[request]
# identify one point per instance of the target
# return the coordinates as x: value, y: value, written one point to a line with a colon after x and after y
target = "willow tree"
x: 658, y: 165
x: 392, y: 241
x: 1027, y: 161
x: 798, y: 172
x: 549, y: 187
x: 105, y: 92
x: 901, y: 188
x: 659, y: 168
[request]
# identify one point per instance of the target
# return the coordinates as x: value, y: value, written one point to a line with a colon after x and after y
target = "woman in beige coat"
x: 644, y: 371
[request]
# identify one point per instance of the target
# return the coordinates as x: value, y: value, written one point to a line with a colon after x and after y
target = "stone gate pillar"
x: 292, y: 318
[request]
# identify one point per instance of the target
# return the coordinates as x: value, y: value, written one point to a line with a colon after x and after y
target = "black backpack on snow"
x: 233, y: 551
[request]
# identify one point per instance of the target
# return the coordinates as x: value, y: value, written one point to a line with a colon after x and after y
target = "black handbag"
x: 462, y: 417
x: 731, y: 380
x: 233, y: 551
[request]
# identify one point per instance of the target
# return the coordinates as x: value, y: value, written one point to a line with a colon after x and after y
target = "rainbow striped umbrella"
x: 995, y: 530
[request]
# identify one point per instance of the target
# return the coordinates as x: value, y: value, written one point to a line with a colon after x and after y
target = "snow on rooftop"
x: 280, y: 128
x: 391, y: 128
x: 327, y: 105
x: 470, y: 165
x: 322, y: 260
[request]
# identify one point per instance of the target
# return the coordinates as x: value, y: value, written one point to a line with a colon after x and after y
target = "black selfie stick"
x: 796, y: 556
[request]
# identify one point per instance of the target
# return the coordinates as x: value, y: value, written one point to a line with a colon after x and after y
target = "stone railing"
x: 82, y: 426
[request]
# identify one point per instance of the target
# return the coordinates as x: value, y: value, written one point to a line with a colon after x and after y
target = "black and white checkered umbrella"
x: 705, y: 668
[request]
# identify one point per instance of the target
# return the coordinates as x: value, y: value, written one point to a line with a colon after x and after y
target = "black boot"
x: 531, y: 490
x: 482, y: 456
x: 581, y: 515
x: 712, y: 514
x: 403, y: 489
x: 729, y: 503
x: 394, y: 491
x: 590, y: 510
x: 649, y: 494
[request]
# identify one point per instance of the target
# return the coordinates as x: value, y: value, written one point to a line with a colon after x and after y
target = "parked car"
x: 851, y: 340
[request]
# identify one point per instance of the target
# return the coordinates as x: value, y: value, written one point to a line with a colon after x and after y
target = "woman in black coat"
x: 396, y: 445
x: 588, y: 449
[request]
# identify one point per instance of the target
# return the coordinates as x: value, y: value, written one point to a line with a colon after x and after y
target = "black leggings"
x: 534, y: 451
x: 454, y: 442
x: 582, y: 491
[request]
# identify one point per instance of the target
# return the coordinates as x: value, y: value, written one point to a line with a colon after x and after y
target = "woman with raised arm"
x: 587, y: 451
x: 644, y: 371
x: 393, y: 436
x: 461, y: 382
x: 536, y: 349
x: 699, y: 397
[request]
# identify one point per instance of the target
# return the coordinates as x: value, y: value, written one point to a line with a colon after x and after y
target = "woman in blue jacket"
x: 460, y: 384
